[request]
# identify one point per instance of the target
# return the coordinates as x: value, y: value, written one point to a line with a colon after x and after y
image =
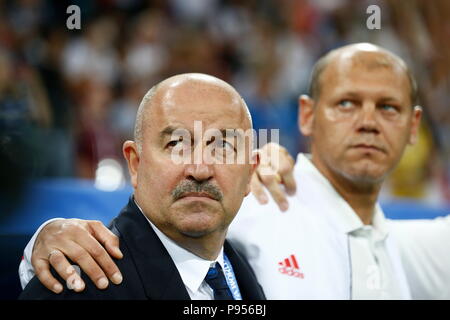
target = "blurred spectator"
x: 93, y: 55
x: 146, y: 54
x: 96, y: 139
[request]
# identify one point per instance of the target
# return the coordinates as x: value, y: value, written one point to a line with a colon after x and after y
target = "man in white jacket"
x: 334, y: 241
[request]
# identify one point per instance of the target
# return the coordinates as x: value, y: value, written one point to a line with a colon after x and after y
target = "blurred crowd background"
x: 68, y: 98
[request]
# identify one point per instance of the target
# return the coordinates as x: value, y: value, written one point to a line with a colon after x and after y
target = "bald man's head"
x: 170, y: 84
x: 192, y: 161
x: 362, y: 115
x: 360, y: 54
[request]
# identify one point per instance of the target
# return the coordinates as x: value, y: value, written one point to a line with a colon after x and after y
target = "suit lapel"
x: 248, y: 284
x: 159, y: 275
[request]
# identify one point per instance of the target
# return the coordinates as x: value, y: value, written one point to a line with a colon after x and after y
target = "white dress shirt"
x: 320, y: 249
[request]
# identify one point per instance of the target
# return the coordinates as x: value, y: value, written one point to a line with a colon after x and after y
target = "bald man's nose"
x: 201, y: 168
x: 199, y: 172
x: 367, y: 121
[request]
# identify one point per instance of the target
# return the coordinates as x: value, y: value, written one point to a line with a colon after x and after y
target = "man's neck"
x: 362, y: 197
x: 206, y: 247
x: 362, y: 200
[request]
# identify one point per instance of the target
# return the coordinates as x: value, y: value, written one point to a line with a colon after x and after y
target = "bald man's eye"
x: 227, y: 145
x: 223, y: 145
x: 174, y: 143
x: 389, y: 108
x: 345, y: 104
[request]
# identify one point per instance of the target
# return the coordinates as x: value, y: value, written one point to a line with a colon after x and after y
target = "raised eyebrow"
x: 389, y: 100
x: 231, y: 132
x: 348, y: 94
x: 168, y: 131
x: 355, y: 95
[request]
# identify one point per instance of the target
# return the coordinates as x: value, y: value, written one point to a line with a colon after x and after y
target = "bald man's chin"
x: 195, y: 234
x: 197, y: 231
x: 365, y: 179
x: 197, y: 222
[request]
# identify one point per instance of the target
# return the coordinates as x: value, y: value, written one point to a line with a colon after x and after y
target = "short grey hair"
x: 141, y: 115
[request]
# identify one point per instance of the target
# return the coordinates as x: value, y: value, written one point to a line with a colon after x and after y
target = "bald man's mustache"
x: 191, y: 186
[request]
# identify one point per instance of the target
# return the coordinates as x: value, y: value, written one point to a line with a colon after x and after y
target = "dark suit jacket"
x: 148, y: 270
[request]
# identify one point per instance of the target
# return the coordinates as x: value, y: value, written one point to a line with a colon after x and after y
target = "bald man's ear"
x: 305, y: 114
x: 255, y: 160
x: 130, y: 152
x: 415, y: 124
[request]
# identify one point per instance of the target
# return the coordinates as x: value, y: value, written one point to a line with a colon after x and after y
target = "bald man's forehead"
x: 366, y: 76
x: 193, y: 87
x: 345, y: 61
x: 368, y: 49
x: 198, y: 79
x: 364, y: 57
x: 208, y: 101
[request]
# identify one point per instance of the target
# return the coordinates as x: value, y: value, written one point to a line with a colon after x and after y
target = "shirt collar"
x: 319, y: 188
x: 192, y: 268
